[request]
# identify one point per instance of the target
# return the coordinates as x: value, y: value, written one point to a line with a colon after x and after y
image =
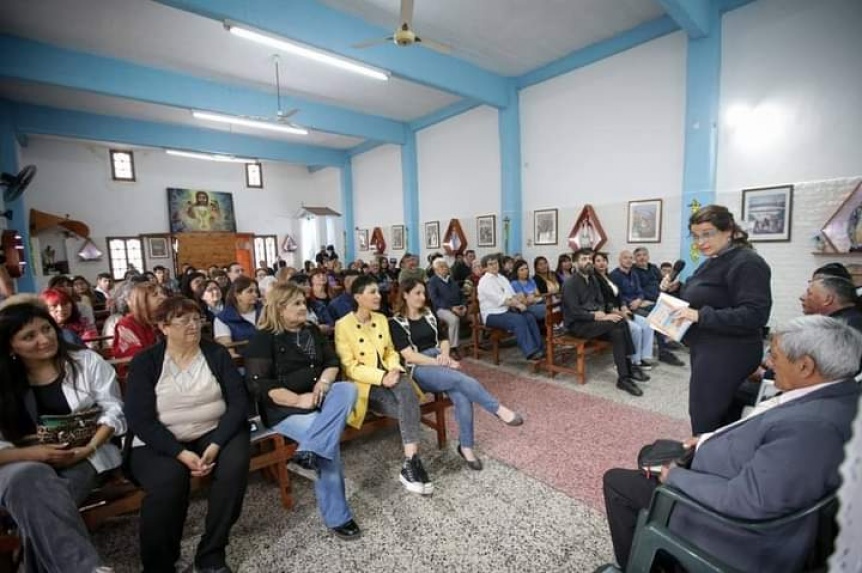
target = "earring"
x: 14, y: 356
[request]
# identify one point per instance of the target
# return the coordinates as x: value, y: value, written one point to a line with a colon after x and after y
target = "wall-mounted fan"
x: 404, y: 35
x: 14, y: 185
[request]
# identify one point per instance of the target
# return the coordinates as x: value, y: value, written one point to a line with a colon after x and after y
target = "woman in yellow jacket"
x: 368, y: 358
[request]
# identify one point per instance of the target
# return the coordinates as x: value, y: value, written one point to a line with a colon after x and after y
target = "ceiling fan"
x: 404, y: 35
x: 281, y: 116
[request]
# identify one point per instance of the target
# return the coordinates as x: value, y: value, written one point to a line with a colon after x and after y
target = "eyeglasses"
x: 187, y: 321
x: 705, y: 236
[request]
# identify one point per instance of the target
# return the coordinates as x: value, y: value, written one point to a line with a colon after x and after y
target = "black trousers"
x: 619, y: 335
x: 718, y: 366
x: 626, y: 493
x: 166, y: 482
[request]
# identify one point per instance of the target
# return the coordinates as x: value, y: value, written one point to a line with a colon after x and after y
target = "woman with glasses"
x: 186, y: 407
x: 730, y: 300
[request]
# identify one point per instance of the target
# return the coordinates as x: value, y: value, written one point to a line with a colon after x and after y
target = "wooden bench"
x: 559, y: 343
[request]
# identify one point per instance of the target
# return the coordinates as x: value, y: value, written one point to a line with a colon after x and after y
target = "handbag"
x: 75, y: 429
x: 653, y: 456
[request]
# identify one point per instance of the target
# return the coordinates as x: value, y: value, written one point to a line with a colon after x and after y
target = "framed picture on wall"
x: 157, y: 248
x: 545, y: 227
x: 397, y: 237
x: 766, y: 213
x: 432, y: 235
x: 486, y: 231
x: 362, y: 239
x: 644, y: 222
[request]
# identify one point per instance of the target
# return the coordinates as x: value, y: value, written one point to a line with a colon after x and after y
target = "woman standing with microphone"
x: 730, y: 300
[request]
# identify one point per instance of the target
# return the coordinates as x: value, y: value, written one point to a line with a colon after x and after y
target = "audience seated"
x: 102, y: 292
x: 291, y: 367
x: 186, y: 407
x: 585, y: 317
x: 501, y: 308
x: 460, y: 270
x: 343, y: 304
x: 650, y: 277
x: 525, y: 288
x: 832, y: 296
x: 74, y: 327
x: 41, y: 485
x: 782, y: 458
x: 192, y: 287
x: 84, y: 291
x: 213, y: 298
x: 137, y: 329
x: 426, y: 354
x: 164, y: 280
x: 564, y: 268
x: 369, y: 359
x: 64, y: 283
x: 410, y: 269
x: 448, y: 302
x: 546, y: 281
x: 238, y: 321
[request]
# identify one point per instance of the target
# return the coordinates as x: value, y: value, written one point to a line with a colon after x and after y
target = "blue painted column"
x: 9, y: 164
x: 347, y: 211
x: 510, y: 174
x: 703, y: 69
x: 410, y: 183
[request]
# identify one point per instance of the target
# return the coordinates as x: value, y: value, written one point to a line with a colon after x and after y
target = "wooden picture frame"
x: 362, y: 239
x: 157, y: 248
x: 486, y: 231
x: 644, y: 221
x: 843, y: 231
x: 432, y: 235
x: 397, y: 237
x: 454, y: 239
x: 767, y: 213
x: 587, y: 231
x: 545, y: 227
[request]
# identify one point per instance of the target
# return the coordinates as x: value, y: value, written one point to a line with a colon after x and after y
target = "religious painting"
x: 362, y: 239
x: 486, y: 231
x: 432, y: 235
x: 397, y: 237
x: 843, y: 231
x: 644, y: 222
x: 766, y: 213
x: 545, y: 227
x: 197, y: 211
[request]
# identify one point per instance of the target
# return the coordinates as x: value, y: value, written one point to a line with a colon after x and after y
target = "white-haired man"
x: 447, y: 300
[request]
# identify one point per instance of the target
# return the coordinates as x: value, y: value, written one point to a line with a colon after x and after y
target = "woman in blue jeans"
x: 291, y: 368
x: 425, y: 350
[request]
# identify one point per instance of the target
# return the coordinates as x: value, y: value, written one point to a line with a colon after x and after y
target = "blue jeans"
x: 538, y: 310
x: 462, y: 390
x: 320, y: 432
x: 642, y: 337
x: 523, y: 325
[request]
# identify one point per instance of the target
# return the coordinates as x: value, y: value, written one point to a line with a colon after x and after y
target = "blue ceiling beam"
x: 363, y: 147
x: 37, y: 120
x: 599, y: 51
x: 693, y: 16
x: 315, y: 24
x: 33, y: 61
x: 443, y: 114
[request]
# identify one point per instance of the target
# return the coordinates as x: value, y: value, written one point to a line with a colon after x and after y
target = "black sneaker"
x: 646, y: 364
x: 629, y: 386
x: 638, y: 375
x: 669, y: 357
x: 414, y: 478
x: 348, y: 531
x: 674, y: 345
x: 304, y: 463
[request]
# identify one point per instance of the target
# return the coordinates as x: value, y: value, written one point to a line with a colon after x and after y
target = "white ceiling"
x: 509, y: 37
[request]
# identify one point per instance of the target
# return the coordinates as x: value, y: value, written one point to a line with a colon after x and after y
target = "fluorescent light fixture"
x: 210, y: 156
x: 306, y: 52
x: 253, y: 123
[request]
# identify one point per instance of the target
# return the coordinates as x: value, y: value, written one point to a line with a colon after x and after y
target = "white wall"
x: 74, y: 178
x: 604, y: 135
x: 459, y: 174
x: 799, y: 61
x: 378, y: 199
x: 326, y: 185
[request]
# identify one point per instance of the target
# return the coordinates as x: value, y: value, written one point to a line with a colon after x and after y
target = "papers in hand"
x: 661, y: 319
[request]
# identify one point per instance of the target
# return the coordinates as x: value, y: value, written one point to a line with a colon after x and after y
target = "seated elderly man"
x: 782, y: 458
x: 448, y: 301
x: 832, y: 296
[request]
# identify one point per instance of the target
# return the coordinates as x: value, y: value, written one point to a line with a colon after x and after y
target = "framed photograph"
x: 397, y: 237
x: 362, y: 239
x: 195, y: 210
x: 486, y: 231
x: 766, y: 213
x: 644, y: 222
x: 545, y: 227
x: 157, y: 248
x: 432, y: 235
x: 843, y: 231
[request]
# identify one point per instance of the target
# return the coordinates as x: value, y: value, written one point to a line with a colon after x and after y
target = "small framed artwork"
x: 362, y: 239
x: 432, y: 235
x: 254, y: 175
x: 644, y: 222
x: 397, y: 237
x: 486, y: 231
x: 766, y: 213
x: 545, y: 227
x: 843, y: 231
x: 157, y: 248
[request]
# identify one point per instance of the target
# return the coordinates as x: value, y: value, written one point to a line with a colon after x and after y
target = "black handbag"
x: 653, y: 456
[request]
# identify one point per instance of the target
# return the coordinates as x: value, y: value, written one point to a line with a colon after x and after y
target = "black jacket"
x: 140, y: 409
x: 581, y: 298
x: 275, y: 361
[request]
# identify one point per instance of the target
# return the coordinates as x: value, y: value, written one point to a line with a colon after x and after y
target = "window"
x: 265, y: 250
x: 126, y: 254
x: 122, y: 165
x: 254, y: 175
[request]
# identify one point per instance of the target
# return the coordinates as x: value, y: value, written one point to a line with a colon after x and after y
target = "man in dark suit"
x: 832, y: 296
x: 783, y: 457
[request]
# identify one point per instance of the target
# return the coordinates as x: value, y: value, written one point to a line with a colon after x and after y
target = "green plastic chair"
x: 653, y: 534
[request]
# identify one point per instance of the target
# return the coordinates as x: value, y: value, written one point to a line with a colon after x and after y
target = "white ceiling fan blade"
x: 370, y: 43
x: 406, y: 13
x: 434, y: 45
x: 283, y: 115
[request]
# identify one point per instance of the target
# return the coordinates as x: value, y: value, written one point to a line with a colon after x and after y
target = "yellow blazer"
x: 358, y: 346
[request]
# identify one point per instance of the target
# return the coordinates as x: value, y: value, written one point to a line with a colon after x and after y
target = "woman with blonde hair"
x: 137, y: 329
x: 291, y: 368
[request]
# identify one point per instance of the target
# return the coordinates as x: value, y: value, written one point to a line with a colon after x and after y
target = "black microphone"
x: 677, y: 268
